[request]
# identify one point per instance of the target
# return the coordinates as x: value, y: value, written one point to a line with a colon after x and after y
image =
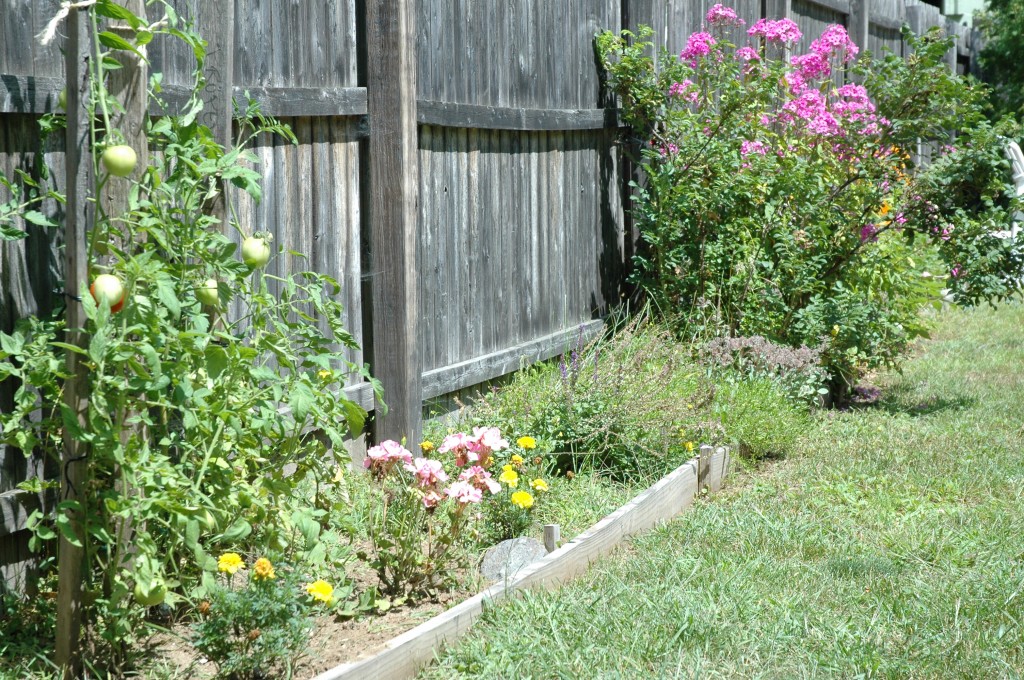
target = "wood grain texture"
x: 407, y: 653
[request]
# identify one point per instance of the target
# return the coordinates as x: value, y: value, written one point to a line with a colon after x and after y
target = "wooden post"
x: 79, y: 215
x: 393, y: 181
x: 704, y: 466
x: 859, y: 21
x: 215, y: 21
x: 552, y: 537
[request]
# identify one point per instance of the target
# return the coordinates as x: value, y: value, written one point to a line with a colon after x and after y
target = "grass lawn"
x: 891, y: 544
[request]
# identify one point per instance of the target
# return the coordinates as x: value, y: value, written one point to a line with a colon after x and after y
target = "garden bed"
x: 405, y: 654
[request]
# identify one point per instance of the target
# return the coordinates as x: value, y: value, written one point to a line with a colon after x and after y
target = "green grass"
x: 889, y: 544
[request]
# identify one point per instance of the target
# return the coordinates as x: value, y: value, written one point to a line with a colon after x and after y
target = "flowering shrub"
x: 779, y: 192
x: 419, y: 521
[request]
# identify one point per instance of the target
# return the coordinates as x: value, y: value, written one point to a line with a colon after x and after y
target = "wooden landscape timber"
x: 407, y: 653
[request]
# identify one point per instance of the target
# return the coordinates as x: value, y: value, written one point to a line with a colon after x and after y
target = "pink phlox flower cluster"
x: 457, y: 444
x: 464, y: 493
x: 776, y: 30
x: 868, y: 232
x: 685, y: 89
x: 944, y: 232
x: 835, y: 40
x: 748, y: 147
x: 900, y: 218
x: 480, y: 478
x: 810, y: 106
x: 428, y: 472
x: 381, y: 458
x: 720, y: 15
x: 669, y: 149
x: 747, y: 53
x: 697, y: 45
x: 476, y: 448
x: 811, y: 66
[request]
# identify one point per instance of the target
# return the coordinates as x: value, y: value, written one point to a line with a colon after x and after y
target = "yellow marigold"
x: 689, y: 447
x: 321, y: 591
x: 527, y: 443
x: 884, y: 209
x: 539, y: 485
x: 522, y: 499
x: 229, y: 563
x: 426, y: 446
x: 263, y: 570
x: 517, y: 460
x: 509, y: 476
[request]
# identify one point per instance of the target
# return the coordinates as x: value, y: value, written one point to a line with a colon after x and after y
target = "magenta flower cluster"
x: 697, y: 45
x: 782, y: 31
x: 685, y: 90
x: 720, y: 15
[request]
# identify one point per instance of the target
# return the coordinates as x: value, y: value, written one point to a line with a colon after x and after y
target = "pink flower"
x: 747, y: 54
x: 458, y: 444
x: 956, y: 272
x: 484, y: 442
x: 698, y: 45
x: 780, y: 31
x: 812, y: 65
x: 428, y: 472
x: 464, y: 492
x: 684, y: 90
x: 382, y: 458
x: 835, y: 40
x: 748, y: 147
x: 868, y: 232
x: 431, y: 499
x: 480, y: 478
x: 720, y: 15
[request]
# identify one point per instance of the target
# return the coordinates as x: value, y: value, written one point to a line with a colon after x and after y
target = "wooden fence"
x: 457, y: 170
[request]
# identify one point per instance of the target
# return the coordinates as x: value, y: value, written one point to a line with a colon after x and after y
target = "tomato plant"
x: 198, y: 426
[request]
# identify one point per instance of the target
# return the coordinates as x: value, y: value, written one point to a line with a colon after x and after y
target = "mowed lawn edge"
x: 890, y: 545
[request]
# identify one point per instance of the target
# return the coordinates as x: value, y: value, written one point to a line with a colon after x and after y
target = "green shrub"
x: 759, y: 418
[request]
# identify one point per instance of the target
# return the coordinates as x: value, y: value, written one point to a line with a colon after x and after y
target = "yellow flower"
x: 835, y: 330
x: 539, y: 485
x: 527, y: 443
x: 509, y: 476
x: 323, y: 374
x: 229, y: 563
x: 426, y: 446
x: 522, y: 499
x: 517, y: 460
x: 263, y: 570
x: 689, y: 447
x: 884, y: 209
x: 339, y: 475
x: 321, y: 591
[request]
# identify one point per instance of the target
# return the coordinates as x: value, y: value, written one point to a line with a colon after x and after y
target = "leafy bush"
x: 631, y: 405
x: 789, y: 205
x: 255, y: 628
x: 798, y: 371
x: 759, y: 417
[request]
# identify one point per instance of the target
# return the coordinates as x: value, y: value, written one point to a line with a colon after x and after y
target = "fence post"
x: 393, y: 180
x: 858, y: 29
x: 79, y: 214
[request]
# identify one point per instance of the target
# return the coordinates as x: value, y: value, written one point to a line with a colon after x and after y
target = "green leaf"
x: 38, y: 218
x: 114, y: 41
x: 111, y: 10
x: 237, y: 531
x: 301, y: 399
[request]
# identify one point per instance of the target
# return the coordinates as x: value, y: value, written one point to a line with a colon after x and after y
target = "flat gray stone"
x: 501, y: 562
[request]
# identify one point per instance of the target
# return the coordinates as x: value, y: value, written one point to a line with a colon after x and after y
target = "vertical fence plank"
x: 393, y: 179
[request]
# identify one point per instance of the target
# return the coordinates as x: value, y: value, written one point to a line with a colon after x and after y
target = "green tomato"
x: 255, y: 251
x: 207, y: 293
x: 119, y: 160
x: 152, y: 593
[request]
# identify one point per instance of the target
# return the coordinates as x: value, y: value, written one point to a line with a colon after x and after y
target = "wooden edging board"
x: 406, y: 654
